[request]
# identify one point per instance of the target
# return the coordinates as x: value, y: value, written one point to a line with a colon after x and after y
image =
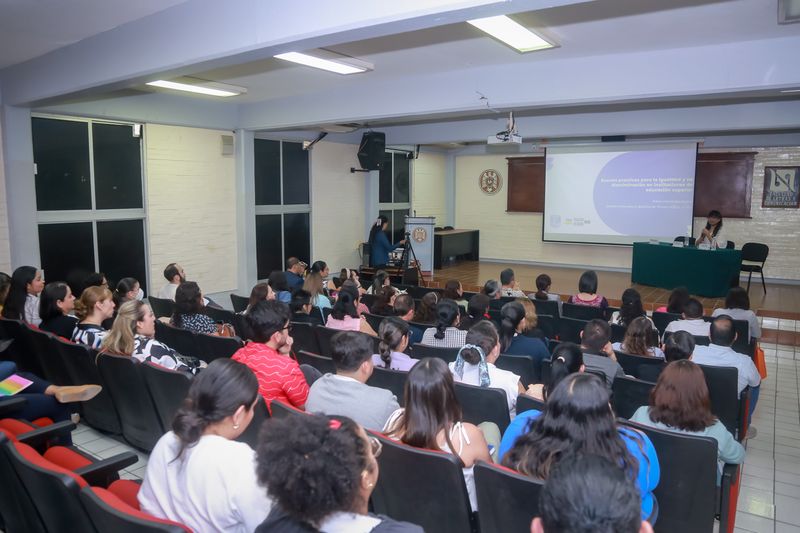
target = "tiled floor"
x: 103, y: 446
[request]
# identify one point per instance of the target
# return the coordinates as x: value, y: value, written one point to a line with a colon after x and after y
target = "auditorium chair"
x: 424, y: 487
x: 628, y: 394
x: 527, y: 403
x: 18, y: 513
x: 633, y: 364
x: 28, y: 359
x: 224, y: 316
x: 141, y: 425
x: 448, y: 355
x: 110, y: 512
x: 548, y: 326
x: 582, y: 312
x: 260, y: 414
x: 495, y: 317
x: 754, y: 252
x: 279, y: 409
x: 168, y: 389
x: 662, y: 319
x: 483, y: 404
x: 723, y: 387
x: 374, y: 321
x: 569, y: 329
x: 507, y: 500
x: 617, y: 332
x: 320, y: 362
x: 324, y: 336
x: 48, y: 356
x: 179, y: 339
x: 161, y: 307
x: 392, y: 380
x: 742, y: 343
x: 10, y: 330
x: 310, y: 374
x: 304, y: 338
x: 368, y: 300
x: 547, y: 307
x: 417, y: 292
x: 239, y: 303
x: 498, y: 303
x: 521, y: 365
x: 210, y: 347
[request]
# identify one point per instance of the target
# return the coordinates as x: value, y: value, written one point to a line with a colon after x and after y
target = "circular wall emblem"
x: 490, y: 181
x: 419, y: 234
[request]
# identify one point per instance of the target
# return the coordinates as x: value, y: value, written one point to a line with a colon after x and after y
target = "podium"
x: 420, y: 235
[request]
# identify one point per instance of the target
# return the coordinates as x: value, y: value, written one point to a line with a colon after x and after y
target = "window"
x: 89, y: 200
x: 283, y: 209
x: 394, y: 192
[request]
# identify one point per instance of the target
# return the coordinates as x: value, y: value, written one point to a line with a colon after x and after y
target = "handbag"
x: 761, y: 364
x: 225, y: 330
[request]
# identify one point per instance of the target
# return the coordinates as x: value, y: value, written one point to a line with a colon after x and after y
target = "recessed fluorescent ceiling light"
x: 337, y: 66
x: 512, y: 33
x: 201, y: 87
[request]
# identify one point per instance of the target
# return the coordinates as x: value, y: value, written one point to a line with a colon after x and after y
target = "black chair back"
x: 55, y: 369
x: 507, y: 500
x: 222, y: 316
x: 446, y: 354
x: 569, y: 329
x: 633, y: 364
x: 161, y: 307
x: 521, y: 365
x: 324, y: 336
x: 418, y: 292
x: 527, y: 403
x: 179, y: 339
x: 168, y: 389
x: 141, y: 424
x: 393, y: 380
x: 546, y: 307
x: 260, y: 415
x: 281, y: 410
x: 662, y: 319
x: 628, y: 394
x: 547, y: 365
x: 304, y: 338
x: 682, y: 238
x: 755, y: 252
x: 210, y: 347
x: 581, y: 312
x: 483, y: 405
x: 742, y: 343
x: 374, y: 321
x: 18, y: 351
x: 107, y: 517
x: 239, y: 303
x: 17, y: 510
x: 723, y: 388
x: 617, y: 333
x: 548, y: 325
x: 368, y: 300
x: 423, y: 487
x: 701, y: 340
x: 320, y: 362
x: 687, y: 490
x: 30, y: 359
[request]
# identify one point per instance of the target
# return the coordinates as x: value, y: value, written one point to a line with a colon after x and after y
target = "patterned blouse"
x: 149, y: 350
x: 453, y: 338
x: 88, y: 334
x: 196, y: 322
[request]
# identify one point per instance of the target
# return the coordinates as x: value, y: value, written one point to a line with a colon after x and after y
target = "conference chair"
x: 161, y: 306
x: 239, y: 303
x: 569, y: 329
x: 547, y: 365
x: 481, y: 404
x: 322, y: 313
x: 392, y: 380
x: 29, y: 357
x: 210, y: 347
x: 548, y: 325
x: 179, y: 339
x: 742, y: 343
x: 167, y: 388
x: 582, y: 312
x: 726, y: 403
x: 279, y: 409
x: 507, y: 500
x: 730, y: 245
x: 374, y: 321
x: 662, y: 319
x: 628, y: 394
x: 310, y: 374
x: 633, y: 364
x: 418, y: 292
x: 109, y: 512
x: 547, y: 307
x: 368, y: 300
x: 424, y: 487
x: 304, y: 338
x: 260, y: 415
x: 617, y: 332
x: 224, y: 316
x: 527, y: 403
x: 521, y: 365
x: 320, y: 362
x: 17, y: 352
x: 754, y: 252
x: 500, y: 302
x: 324, y: 336
x: 495, y: 317
x: 446, y: 354
x: 55, y: 369
x: 682, y: 239
x: 18, y: 512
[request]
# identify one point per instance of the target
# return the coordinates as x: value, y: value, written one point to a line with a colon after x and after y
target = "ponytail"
x: 567, y: 359
x: 512, y: 314
x: 543, y: 283
x: 446, y: 316
x: 89, y: 298
x: 376, y: 227
x: 391, y: 333
x: 346, y: 303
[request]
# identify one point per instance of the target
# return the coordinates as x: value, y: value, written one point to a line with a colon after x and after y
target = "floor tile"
x: 787, y: 509
x: 754, y: 523
x: 781, y: 527
x: 99, y: 445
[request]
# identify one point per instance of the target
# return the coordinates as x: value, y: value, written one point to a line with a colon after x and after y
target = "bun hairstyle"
x: 483, y: 335
x: 391, y: 333
x: 215, y: 394
x: 426, y: 310
x: 511, y: 315
x: 491, y: 288
x: 446, y: 315
x: 567, y: 359
x: 543, y: 283
x: 89, y: 298
x: 346, y: 303
x: 318, y: 267
x: 376, y: 227
x: 14, y: 306
x: 124, y: 286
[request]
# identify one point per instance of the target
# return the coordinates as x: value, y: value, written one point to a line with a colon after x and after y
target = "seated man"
x: 294, y: 273
x: 692, y: 320
x: 346, y: 393
x: 174, y: 275
x: 509, y: 284
x: 404, y: 310
x: 598, y: 355
x: 302, y: 309
x: 588, y: 493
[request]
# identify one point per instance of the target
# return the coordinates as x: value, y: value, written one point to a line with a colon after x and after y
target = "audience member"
x: 404, y: 310
x: 93, y: 307
x: 346, y: 392
x: 474, y: 364
x: 331, y: 466
x: 394, y: 336
x: 494, y: 291
x: 5, y: 286
x: 279, y: 376
x: 22, y: 301
x: 737, y: 306
x: 188, y: 313
x: 680, y: 345
x: 680, y: 402
x: 133, y: 334
x: 531, y: 323
x: 677, y: 299
x: 95, y: 279
x: 384, y: 301
x: 598, y: 354
x: 567, y: 359
x: 294, y: 273
x: 314, y: 285
x: 446, y: 333
x: 259, y: 292
x: 356, y: 287
x: 543, y: 283
x: 509, y: 287
x: 432, y: 419
x: 280, y: 286
x: 380, y: 247
x: 56, y: 304
x: 692, y: 320
x: 589, y: 494
x: 454, y: 291
x: 512, y: 341
x: 197, y: 473
x: 631, y: 308
x: 426, y: 310
x: 587, y: 292
x: 641, y: 338
x: 379, y: 280
x: 344, y: 315
x: 321, y: 268
x: 477, y: 310
x: 127, y: 289
x: 174, y: 275
x: 302, y: 309
x: 577, y: 419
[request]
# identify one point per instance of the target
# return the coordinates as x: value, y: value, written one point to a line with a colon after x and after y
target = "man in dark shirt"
x: 294, y: 273
x: 598, y: 355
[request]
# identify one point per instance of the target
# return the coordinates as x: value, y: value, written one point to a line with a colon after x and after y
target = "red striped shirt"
x: 279, y: 376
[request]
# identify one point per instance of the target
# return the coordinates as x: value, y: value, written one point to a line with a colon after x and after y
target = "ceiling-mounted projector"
x: 508, y: 136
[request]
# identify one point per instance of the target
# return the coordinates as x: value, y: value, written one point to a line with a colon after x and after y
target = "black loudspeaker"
x: 370, y: 152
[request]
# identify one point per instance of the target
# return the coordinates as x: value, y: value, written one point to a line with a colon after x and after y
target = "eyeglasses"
x: 376, y: 445
x: 288, y: 328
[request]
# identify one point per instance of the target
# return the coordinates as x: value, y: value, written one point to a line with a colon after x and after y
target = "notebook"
x: 13, y: 384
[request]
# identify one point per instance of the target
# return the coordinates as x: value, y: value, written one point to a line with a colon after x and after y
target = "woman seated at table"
x: 737, y: 306
x: 712, y: 233
x: 641, y: 338
x: 587, y: 292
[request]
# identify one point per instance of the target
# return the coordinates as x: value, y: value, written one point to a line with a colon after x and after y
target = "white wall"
x: 338, y: 204
x: 428, y: 186
x: 5, y: 250
x: 191, y: 206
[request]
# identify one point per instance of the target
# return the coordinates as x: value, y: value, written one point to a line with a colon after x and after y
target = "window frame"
x: 396, y: 206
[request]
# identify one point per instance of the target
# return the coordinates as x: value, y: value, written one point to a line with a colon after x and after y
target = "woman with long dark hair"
x: 712, y: 233
x: 56, y: 304
x: 379, y: 243
x: 432, y: 419
x: 189, y: 307
x: 453, y: 290
x: 384, y: 301
x: 379, y: 280
x: 197, y: 473
x: 344, y: 314
x: 259, y: 292
x: 677, y: 299
x: 425, y: 313
x: 445, y: 334
x: 631, y: 308
x: 543, y: 282
x: 577, y: 418
x: 513, y: 323
x: 321, y: 268
x: 477, y: 310
x: 641, y: 338
x: 394, y: 335
x: 22, y: 301
x: 280, y: 286
x: 567, y: 359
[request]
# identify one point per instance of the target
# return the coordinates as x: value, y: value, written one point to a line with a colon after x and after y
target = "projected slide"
x: 618, y: 193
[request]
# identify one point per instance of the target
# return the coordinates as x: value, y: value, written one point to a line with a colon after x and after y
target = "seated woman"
x: 680, y: 402
x: 259, y: 292
x: 567, y: 359
x: 737, y: 306
x: 93, y: 307
x: 379, y: 280
x: 677, y: 300
x: 678, y: 346
x: 477, y: 310
x: 543, y: 283
x: 356, y: 287
x: 712, y: 233
x: 641, y: 338
x: 394, y: 335
x: 530, y: 327
x: 127, y: 289
x: 425, y: 313
x: 384, y: 301
x: 577, y: 419
x: 321, y: 268
x: 22, y: 300
x: 631, y: 308
x: 446, y: 333
x: 587, y: 292
x: 344, y: 315
x: 280, y: 286
x: 454, y: 291
x: 56, y: 304
x: 133, y: 334
x: 314, y: 284
x: 335, y: 457
x: 512, y: 341
x: 475, y: 364
x: 432, y: 419
x: 197, y: 473
x: 188, y: 313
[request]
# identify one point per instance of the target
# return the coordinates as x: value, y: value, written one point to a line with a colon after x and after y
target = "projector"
x: 504, y: 138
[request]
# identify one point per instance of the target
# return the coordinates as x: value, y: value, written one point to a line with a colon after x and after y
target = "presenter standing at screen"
x: 379, y: 243
x: 712, y: 233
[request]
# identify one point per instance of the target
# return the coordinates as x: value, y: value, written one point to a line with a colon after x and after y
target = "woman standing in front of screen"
x: 712, y: 234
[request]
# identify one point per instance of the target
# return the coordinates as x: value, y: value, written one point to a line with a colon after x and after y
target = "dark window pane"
x: 120, y: 247
x: 295, y: 174
x: 117, y: 167
x: 385, y: 182
x: 399, y: 230
x: 61, y: 154
x: 401, y: 178
x: 267, y: 166
x: 268, y: 245
x: 297, y: 236
x: 67, y: 252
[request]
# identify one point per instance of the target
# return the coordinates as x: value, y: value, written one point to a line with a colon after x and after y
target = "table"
x: 704, y: 272
x: 454, y: 242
